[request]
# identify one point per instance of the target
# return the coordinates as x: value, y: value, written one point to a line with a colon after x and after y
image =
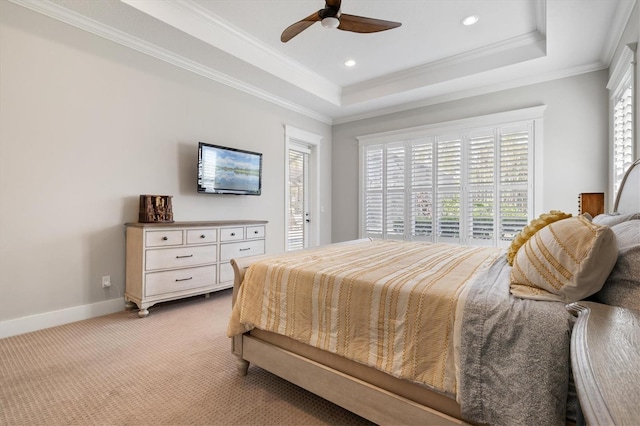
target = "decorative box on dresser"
x: 168, y: 261
x: 591, y: 202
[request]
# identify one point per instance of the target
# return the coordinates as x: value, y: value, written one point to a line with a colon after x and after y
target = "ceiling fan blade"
x: 293, y: 30
x: 360, y: 24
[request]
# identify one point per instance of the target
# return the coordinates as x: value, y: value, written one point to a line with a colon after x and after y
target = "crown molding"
x: 199, y: 22
x: 92, y: 26
x: 463, y: 94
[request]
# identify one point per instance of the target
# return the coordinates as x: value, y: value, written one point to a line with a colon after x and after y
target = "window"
x: 622, y: 113
x: 443, y: 185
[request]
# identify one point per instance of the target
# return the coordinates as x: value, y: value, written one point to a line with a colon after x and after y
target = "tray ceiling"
x: 431, y: 58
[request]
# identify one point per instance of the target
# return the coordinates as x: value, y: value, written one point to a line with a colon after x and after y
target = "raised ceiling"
x: 431, y: 58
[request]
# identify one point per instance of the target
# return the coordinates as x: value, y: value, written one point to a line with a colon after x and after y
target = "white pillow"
x: 614, y: 218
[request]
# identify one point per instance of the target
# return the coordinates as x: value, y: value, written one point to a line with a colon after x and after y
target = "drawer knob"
x: 184, y: 279
x: 182, y: 257
x: 255, y: 232
x: 165, y: 238
x: 233, y: 234
x: 245, y: 249
x: 203, y: 236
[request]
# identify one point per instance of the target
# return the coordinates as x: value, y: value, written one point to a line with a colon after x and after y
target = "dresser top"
x: 194, y: 223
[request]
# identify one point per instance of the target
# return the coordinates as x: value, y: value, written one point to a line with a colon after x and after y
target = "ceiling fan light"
x: 330, y: 22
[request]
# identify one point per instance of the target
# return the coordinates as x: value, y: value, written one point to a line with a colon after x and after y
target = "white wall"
x: 575, y: 144
x: 86, y: 127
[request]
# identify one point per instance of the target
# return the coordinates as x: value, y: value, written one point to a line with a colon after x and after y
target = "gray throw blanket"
x: 514, y: 355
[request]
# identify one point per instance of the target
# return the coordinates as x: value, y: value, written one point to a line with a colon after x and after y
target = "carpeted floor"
x: 172, y: 368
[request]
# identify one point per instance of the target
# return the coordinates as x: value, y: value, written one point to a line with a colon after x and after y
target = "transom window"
x: 471, y: 186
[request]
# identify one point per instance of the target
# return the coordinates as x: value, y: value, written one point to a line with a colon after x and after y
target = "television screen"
x: 224, y: 170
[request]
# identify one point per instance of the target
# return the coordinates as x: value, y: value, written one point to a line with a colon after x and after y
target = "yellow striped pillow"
x: 529, y: 231
x: 567, y: 260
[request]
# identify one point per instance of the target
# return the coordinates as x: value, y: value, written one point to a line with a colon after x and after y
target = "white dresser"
x: 167, y: 261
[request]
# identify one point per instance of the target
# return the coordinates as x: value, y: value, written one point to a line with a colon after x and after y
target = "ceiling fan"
x: 330, y: 17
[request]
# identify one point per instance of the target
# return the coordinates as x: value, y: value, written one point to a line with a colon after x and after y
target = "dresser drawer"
x: 202, y: 236
x: 226, y: 273
x: 231, y: 234
x: 255, y: 232
x: 158, y: 283
x: 241, y: 249
x: 180, y: 257
x: 163, y: 238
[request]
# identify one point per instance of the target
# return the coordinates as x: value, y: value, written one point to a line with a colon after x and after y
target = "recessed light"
x: 470, y: 20
x: 350, y: 63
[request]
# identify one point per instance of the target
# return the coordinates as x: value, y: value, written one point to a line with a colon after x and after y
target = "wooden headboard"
x: 628, y: 197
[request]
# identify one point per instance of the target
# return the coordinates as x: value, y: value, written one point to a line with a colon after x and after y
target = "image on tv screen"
x: 227, y: 170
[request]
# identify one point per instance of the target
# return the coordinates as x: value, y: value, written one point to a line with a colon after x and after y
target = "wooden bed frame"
x: 367, y: 392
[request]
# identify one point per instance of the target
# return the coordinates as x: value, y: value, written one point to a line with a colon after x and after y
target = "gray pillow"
x: 622, y: 287
x: 615, y: 218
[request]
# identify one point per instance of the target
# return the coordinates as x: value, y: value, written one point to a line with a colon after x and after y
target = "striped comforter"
x: 387, y: 304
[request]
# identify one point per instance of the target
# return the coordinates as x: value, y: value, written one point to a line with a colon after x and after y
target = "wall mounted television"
x: 225, y: 170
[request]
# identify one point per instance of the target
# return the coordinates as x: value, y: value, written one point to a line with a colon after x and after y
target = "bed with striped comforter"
x: 439, y: 315
x: 387, y: 304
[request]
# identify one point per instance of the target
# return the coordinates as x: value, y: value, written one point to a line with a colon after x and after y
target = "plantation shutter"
x: 421, y: 182
x: 296, y: 167
x: 373, y: 190
x: 513, y: 181
x: 448, y: 172
x: 470, y: 187
x: 480, y: 206
x: 622, y: 135
x: 395, y: 191
x: 298, y: 202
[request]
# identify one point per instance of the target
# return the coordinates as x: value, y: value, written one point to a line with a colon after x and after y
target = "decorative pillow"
x: 566, y: 261
x: 533, y: 227
x: 615, y: 218
x: 622, y: 287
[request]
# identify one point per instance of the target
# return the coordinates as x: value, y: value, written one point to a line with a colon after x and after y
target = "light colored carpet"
x: 172, y: 368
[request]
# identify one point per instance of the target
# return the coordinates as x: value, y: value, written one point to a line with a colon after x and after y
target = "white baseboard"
x: 63, y: 316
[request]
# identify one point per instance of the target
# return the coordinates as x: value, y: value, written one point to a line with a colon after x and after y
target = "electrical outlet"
x: 106, y: 281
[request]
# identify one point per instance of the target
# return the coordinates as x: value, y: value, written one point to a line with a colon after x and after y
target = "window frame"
x: 622, y: 76
x: 532, y: 116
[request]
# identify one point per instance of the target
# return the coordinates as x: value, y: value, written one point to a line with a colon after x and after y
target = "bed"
x: 417, y: 333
